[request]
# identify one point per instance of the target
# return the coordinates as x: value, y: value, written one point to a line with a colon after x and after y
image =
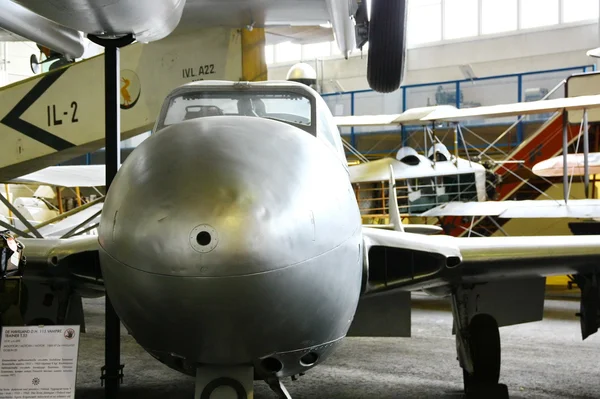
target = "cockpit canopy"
x: 286, y: 107
x: 288, y: 102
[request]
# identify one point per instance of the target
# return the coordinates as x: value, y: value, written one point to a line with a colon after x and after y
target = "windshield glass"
x: 283, y: 106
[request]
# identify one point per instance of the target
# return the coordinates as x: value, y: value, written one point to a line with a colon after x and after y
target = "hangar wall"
x: 14, y: 61
x: 546, y: 48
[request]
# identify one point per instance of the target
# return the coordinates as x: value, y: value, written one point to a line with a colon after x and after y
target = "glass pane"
x: 424, y: 21
x: 536, y: 13
x: 579, y: 10
x: 340, y: 105
x: 489, y: 92
x: 537, y: 86
x: 316, y: 50
x: 460, y: 18
x: 269, y: 54
x: 373, y: 103
x: 498, y: 16
x: 288, y: 51
x: 286, y: 107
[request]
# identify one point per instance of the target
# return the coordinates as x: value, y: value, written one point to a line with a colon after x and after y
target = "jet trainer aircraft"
x: 232, y: 248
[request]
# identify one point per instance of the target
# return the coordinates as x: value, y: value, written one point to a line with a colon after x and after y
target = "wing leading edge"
x: 395, y: 260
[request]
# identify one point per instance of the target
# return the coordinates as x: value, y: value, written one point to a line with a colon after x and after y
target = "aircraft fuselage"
x: 233, y: 240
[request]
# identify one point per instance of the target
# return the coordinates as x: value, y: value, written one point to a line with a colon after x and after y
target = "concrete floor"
x: 539, y: 360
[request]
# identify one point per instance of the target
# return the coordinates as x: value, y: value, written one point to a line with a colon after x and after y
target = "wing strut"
x: 394, y: 211
x: 22, y: 218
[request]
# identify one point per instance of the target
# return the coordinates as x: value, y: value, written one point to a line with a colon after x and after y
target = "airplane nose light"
x: 204, y: 238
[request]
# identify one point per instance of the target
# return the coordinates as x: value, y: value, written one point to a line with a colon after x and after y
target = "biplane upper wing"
x: 586, y: 208
x: 66, y: 176
x: 447, y: 113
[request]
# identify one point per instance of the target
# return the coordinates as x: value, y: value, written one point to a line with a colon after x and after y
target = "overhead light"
x: 595, y: 53
x: 467, y: 71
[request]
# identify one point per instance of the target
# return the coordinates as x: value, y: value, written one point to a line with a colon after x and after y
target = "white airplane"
x: 422, y: 181
x: 550, y: 208
x: 57, y: 24
x: 235, y: 229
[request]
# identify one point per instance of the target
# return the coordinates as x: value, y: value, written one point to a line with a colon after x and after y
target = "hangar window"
x: 291, y: 108
x: 424, y: 21
x: 461, y: 19
x: 579, y: 10
x: 498, y: 16
x: 535, y: 13
x: 269, y: 56
x: 287, y: 51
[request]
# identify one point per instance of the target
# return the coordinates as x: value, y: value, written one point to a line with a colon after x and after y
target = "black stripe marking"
x: 14, y: 121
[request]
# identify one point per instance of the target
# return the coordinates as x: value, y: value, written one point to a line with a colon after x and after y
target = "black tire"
x: 484, y: 342
x: 387, y: 44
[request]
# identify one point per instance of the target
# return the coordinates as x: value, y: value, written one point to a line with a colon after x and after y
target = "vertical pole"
x: 10, y: 214
x: 403, y: 129
x: 456, y: 144
x: 586, y: 152
x: 565, y: 149
x: 352, y: 135
x: 519, y: 99
x: 112, y: 370
x: 457, y: 94
x: 78, y: 194
x: 112, y: 133
x: 59, y: 201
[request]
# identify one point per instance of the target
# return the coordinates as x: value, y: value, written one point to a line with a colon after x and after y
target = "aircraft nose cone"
x: 227, y: 196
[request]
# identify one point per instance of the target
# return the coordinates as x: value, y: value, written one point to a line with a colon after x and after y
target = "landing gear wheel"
x: 387, y: 31
x: 484, y: 344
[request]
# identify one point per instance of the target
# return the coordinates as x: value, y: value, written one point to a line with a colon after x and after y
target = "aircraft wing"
x: 587, y: 208
x: 71, y: 224
x: 447, y: 113
x: 75, y: 259
x: 426, y: 229
x: 66, y: 176
x: 397, y: 260
x: 516, y: 109
x: 413, y: 116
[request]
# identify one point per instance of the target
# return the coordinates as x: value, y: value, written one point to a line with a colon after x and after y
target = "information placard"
x: 38, y: 362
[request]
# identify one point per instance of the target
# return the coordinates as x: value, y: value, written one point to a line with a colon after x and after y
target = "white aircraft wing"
x: 412, y: 261
x: 575, y: 165
x: 413, y: 116
x: 588, y: 208
x: 67, y: 224
x: 516, y: 109
x: 426, y: 115
x: 66, y: 176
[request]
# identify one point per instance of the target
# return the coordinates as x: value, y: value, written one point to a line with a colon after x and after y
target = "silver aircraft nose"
x: 227, y: 196
x: 231, y: 240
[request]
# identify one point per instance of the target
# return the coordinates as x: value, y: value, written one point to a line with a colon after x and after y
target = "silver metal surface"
x: 257, y: 186
x: 73, y: 261
x: 149, y: 20
x: 19, y: 20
